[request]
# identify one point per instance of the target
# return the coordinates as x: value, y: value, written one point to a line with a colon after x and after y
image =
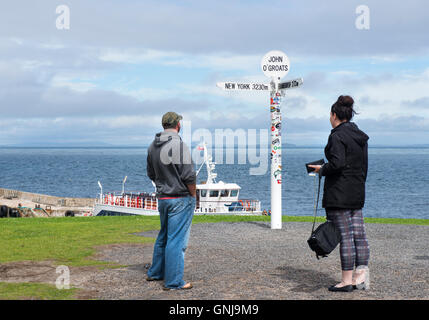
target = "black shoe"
x: 348, y: 288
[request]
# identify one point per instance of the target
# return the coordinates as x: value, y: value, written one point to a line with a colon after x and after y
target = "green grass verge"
x: 421, y: 222
x: 68, y: 241
x: 202, y: 219
x: 40, y: 291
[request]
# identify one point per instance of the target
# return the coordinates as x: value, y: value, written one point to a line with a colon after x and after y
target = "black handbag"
x: 326, y: 237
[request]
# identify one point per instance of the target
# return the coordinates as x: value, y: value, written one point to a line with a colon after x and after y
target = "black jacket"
x: 346, y: 170
x: 169, y: 165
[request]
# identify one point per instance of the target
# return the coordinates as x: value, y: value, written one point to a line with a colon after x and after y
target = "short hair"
x: 169, y: 125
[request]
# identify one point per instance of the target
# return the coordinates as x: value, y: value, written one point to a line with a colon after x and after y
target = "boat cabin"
x: 216, y: 197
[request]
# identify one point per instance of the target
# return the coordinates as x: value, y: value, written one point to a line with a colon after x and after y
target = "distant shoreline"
x: 235, y: 147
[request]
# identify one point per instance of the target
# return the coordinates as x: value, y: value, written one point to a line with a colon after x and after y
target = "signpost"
x: 275, y: 65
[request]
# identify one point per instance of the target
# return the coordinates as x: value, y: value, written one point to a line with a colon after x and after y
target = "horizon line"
x: 286, y: 145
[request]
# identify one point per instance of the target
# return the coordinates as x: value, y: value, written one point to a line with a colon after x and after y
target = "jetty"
x: 56, y: 206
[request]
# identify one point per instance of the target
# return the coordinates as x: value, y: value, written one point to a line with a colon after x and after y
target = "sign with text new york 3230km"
x: 246, y: 86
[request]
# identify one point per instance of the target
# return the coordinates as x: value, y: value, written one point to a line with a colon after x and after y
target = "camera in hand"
x: 315, y: 163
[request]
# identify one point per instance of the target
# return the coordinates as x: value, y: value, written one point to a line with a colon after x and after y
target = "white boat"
x: 213, y: 198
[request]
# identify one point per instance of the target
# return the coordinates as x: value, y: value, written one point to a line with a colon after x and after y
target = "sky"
x: 109, y: 78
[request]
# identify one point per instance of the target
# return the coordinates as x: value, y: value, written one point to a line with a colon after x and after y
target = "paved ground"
x: 250, y: 261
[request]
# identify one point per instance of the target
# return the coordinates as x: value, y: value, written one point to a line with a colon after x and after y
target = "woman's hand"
x: 315, y: 167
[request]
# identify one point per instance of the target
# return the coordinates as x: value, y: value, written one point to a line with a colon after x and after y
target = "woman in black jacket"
x: 344, y: 192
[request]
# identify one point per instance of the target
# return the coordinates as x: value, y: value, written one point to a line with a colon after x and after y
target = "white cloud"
x: 79, y: 86
x: 344, y: 73
x: 241, y: 27
x: 216, y: 61
x: 74, y: 82
x: 396, y: 89
x: 138, y: 56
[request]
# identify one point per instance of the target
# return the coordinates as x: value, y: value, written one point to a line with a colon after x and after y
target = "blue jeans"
x: 170, y: 246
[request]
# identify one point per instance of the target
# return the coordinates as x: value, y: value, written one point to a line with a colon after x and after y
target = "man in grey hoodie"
x: 170, y: 167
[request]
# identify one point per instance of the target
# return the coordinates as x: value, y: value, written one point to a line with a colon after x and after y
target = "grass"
x: 68, y: 241
x: 202, y: 219
x: 73, y: 241
x: 420, y: 222
x: 39, y: 291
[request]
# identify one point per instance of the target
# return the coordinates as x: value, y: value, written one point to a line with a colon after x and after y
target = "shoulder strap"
x: 316, y: 204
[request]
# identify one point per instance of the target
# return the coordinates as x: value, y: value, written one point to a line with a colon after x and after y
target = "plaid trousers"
x: 354, y: 248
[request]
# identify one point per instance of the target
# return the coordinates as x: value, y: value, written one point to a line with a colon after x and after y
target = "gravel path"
x: 248, y: 260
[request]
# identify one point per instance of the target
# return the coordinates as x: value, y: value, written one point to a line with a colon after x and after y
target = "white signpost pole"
x: 275, y: 65
x: 276, y: 158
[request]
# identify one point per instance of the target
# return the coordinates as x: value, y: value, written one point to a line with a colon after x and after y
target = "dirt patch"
x: 46, y: 272
x: 28, y: 271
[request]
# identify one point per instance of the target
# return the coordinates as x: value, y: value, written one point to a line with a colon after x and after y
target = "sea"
x: 397, y: 184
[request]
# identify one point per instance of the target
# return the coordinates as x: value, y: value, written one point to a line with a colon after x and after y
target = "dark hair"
x: 169, y: 125
x: 343, y: 108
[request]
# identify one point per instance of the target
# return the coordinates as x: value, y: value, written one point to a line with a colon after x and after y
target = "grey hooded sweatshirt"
x: 169, y: 165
